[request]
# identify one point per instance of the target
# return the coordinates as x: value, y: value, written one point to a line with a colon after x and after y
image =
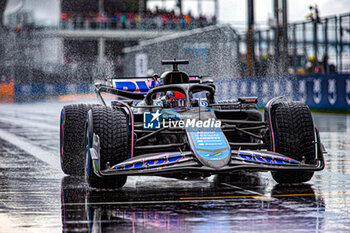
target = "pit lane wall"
x: 35, y: 91
x: 322, y: 92
x: 326, y: 92
x: 7, y: 92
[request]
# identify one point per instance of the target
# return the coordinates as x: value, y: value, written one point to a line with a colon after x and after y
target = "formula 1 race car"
x: 172, y: 126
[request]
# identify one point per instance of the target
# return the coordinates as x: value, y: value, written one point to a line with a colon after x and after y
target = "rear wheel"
x: 294, y: 136
x: 111, y: 125
x: 72, y: 129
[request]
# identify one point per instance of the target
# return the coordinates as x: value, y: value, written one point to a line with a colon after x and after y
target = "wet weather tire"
x: 294, y: 137
x: 111, y: 126
x: 72, y: 130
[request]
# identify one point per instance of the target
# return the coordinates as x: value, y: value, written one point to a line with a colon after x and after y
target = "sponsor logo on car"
x: 135, y: 85
x: 151, y: 120
x: 193, y: 123
x: 213, y: 155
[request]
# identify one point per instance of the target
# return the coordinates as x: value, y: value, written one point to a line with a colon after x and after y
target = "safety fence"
x: 327, y: 92
x: 315, y: 46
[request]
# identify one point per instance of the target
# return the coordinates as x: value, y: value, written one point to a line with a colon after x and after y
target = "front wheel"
x: 72, y: 123
x: 111, y: 125
x: 295, y: 137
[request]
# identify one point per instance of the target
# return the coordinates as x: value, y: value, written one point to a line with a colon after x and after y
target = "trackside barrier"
x: 331, y: 91
x: 7, y: 93
x: 25, y: 92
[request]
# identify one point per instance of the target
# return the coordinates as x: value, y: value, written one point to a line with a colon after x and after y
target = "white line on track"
x: 147, y: 202
x: 24, y: 144
x: 209, y: 199
x: 239, y: 188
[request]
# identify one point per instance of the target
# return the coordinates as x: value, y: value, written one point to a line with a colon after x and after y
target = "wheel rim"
x: 62, y: 123
x: 88, y: 145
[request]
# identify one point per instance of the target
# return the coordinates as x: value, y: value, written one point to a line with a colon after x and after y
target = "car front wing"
x: 186, y: 162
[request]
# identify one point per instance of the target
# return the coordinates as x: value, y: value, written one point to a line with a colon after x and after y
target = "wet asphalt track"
x: 35, y: 196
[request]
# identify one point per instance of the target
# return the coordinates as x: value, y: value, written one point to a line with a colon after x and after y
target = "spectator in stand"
x: 138, y: 19
x: 182, y: 22
x: 78, y: 21
x: 175, y: 20
x: 64, y: 18
x: 202, y: 21
x: 104, y: 20
x: 157, y: 20
x: 91, y: 19
x: 213, y: 20
x: 165, y: 20
x: 115, y: 21
x: 147, y: 22
x: 97, y: 20
x: 188, y: 19
x: 160, y: 19
x: 69, y: 21
x: 87, y: 22
x: 123, y: 20
x: 131, y: 20
x: 313, y: 66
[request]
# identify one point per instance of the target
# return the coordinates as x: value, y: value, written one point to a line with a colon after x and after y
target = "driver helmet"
x: 175, y: 99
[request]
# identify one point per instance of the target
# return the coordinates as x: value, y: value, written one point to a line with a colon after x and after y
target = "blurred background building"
x: 66, y: 41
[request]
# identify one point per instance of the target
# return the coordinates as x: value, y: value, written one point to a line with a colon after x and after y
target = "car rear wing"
x: 142, y: 84
x: 134, y: 84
